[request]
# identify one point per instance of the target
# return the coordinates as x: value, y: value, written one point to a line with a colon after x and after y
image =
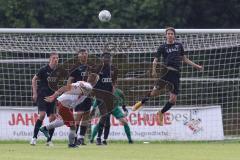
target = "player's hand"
x: 34, y: 97
x: 199, y: 67
x: 50, y: 98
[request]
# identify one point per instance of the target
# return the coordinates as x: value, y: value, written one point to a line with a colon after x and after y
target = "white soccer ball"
x: 104, y: 16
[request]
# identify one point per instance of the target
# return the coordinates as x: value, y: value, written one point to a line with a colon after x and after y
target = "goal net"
x: 24, y: 51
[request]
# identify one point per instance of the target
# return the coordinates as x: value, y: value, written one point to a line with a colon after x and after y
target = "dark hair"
x: 53, y: 54
x: 106, y: 54
x: 171, y: 29
x: 82, y: 50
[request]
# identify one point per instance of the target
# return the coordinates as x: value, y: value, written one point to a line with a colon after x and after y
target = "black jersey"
x: 172, y: 54
x: 80, y: 73
x: 107, y: 74
x: 43, y: 75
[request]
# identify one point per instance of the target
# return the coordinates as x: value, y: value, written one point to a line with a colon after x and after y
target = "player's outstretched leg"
x: 45, y: 132
x: 54, y: 124
x: 155, y: 92
x: 139, y: 104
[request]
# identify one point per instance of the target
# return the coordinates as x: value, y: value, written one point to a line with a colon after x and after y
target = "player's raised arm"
x: 188, y: 61
x: 58, y: 92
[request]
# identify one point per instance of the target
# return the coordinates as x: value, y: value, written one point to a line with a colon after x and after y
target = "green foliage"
x: 125, y: 13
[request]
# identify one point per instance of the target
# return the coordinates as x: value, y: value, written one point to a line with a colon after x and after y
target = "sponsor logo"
x: 107, y: 80
x: 23, y: 119
x: 52, y: 79
x: 194, y: 123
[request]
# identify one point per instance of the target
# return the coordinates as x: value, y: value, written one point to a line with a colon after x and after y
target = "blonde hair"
x: 93, y: 78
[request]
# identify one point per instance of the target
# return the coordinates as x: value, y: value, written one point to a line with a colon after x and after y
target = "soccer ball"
x: 104, y: 16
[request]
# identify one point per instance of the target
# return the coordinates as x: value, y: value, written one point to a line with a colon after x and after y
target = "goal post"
x: 24, y: 51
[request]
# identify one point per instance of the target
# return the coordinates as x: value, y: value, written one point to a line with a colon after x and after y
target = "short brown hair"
x: 53, y: 54
x: 171, y: 29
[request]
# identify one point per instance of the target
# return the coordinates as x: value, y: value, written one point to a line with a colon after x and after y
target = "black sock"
x: 77, y: 128
x: 36, y: 128
x: 167, y: 106
x: 100, y: 130
x: 106, y: 132
x: 51, y: 131
x: 146, y: 98
x: 83, y: 130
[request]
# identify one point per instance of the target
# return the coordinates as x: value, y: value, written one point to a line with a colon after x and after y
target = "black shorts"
x: 43, y: 106
x: 173, y: 77
x: 85, y: 105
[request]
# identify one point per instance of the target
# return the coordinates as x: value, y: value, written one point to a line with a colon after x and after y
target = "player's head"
x: 106, y: 58
x: 53, y: 59
x: 93, y: 78
x: 170, y: 34
x: 83, y: 55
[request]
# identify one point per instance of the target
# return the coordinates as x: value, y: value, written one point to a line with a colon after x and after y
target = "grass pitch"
x: 10, y: 150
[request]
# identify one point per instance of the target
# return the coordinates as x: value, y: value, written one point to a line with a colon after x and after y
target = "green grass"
x: 10, y: 150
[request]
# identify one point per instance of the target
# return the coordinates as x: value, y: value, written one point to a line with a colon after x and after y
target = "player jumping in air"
x: 73, y: 95
x: 173, y: 55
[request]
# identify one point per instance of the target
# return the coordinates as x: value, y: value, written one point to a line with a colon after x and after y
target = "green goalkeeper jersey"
x: 118, y: 93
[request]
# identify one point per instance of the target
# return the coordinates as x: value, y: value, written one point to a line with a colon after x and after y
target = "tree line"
x: 125, y: 13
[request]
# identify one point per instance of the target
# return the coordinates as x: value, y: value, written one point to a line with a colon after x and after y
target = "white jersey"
x: 79, y: 91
